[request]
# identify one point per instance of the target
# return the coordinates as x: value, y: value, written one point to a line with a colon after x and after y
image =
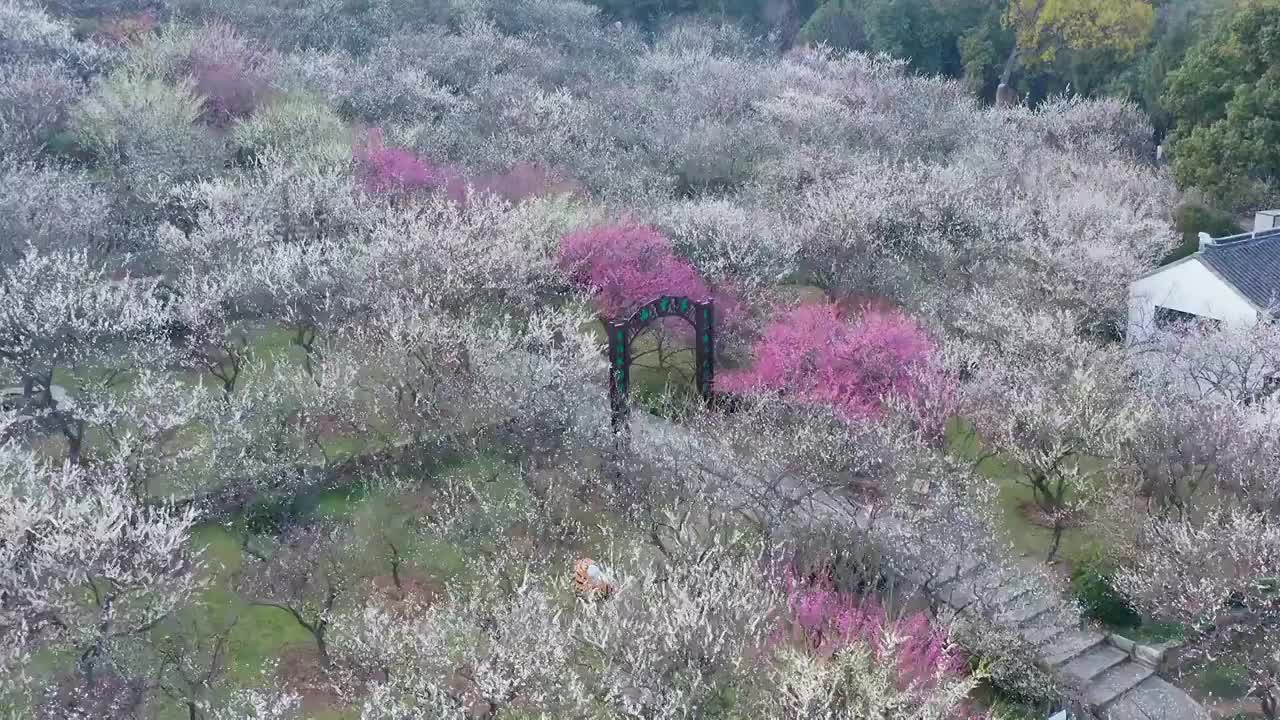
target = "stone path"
x: 1114, y: 683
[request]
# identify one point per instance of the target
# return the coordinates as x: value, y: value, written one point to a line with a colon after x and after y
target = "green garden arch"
x: 701, y: 315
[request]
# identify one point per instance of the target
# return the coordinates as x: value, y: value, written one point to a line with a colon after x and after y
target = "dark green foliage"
x: 270, y: 516
x: 1191, y: 220
x: 1154, y: 633
x: 1224, y: 680
x: 1224, y: 102
x: 1091, y: 585
x: 837, y: 23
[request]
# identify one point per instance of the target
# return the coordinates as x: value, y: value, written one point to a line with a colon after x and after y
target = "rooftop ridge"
x: 1246, y: 237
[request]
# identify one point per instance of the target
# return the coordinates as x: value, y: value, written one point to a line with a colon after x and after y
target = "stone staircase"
x: 1116, y: 683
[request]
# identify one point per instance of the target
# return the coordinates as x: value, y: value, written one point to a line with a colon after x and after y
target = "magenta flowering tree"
x: 625, y: 266
x: 825, y: 621
x: 230, y: 72
x: 394, y: 171
x: 523, y: 181
x: 817, y: 354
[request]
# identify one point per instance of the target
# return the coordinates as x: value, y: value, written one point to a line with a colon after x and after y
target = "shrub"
x: 270, y: 516
x: 35, y: 103
x: 523, y: 181
x: 383, y: 170
x: 29, y: 34
x: 297, y: 127
x: 910, y: 652
x: 837, y: 24
x: 125, y: 30
x: 146, y: 132
x: 1092, y: 585
x: 230, y: 72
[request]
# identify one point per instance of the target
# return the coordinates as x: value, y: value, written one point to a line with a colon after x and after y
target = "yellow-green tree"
x: 1042, y: 27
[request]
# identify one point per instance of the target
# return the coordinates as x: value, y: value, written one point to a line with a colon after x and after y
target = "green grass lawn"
x: 1078, y: 544
x: 262, y: 636
x: 1027, y: 537
x: 651, y: 381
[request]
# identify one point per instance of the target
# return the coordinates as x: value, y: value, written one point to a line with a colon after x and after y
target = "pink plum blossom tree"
x: 627, y: 265
x: 522, y: 181
x: 827, y: 620
x: 388, y: 170
x: 818, y: 355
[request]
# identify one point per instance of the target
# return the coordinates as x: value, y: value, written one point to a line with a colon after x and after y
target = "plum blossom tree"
x: 62, y: 313
x: 258, y: 704
x: 515, y: 651
x: 35, y: 104
x: 627, y: 265
x: 230, y: 73
x: 1061, y: 419
x: 1182, y: 448
x: 305, y: 577
x: 84, y: 566
x: 817, y: 355
x: 1231, y: 364
x: 1216, y: 574
x: 522, y: 181
x: 391, y: 170
x: 440, y: 312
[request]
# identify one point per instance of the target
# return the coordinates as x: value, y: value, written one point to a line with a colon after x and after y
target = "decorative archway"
x: 701, y: 315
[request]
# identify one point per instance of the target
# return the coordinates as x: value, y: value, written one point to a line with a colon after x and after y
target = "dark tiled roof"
x: 1251, y: 263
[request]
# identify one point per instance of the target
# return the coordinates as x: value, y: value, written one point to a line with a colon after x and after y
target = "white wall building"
x: 1231, y: 281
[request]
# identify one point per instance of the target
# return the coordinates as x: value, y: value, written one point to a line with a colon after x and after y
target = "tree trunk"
x: 322, y: 646
x: 1057, y: 538
x: 1005, y: 95
x: 395, y: 565
x: 74, y: 433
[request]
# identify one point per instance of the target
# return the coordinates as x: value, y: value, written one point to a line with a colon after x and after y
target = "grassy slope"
x: 1027, y: 537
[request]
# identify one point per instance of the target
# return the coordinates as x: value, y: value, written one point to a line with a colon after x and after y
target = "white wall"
x: 1188, y: 286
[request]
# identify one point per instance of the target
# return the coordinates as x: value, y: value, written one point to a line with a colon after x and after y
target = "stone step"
x: 957, y: 569
x: 1024, y: 612
x: 1115, y: 682
x: 957, y: 596
x: 988, y: 583
x: 1093, y: 663
x: 1011, y: 592
x: 1070, y: 645
x: 1042, y: 635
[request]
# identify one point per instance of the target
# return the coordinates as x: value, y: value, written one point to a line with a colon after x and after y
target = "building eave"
x: 1196, y: 257
x: 1162, y: 268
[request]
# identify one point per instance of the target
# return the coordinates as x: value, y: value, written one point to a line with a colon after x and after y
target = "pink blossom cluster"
x: 826, y: 621
x: 818, y: 354
x: 397, y: 171
x: 522, y: 181
x: 627, y: 265
x: 229, y: 72
x: 388, y: 170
